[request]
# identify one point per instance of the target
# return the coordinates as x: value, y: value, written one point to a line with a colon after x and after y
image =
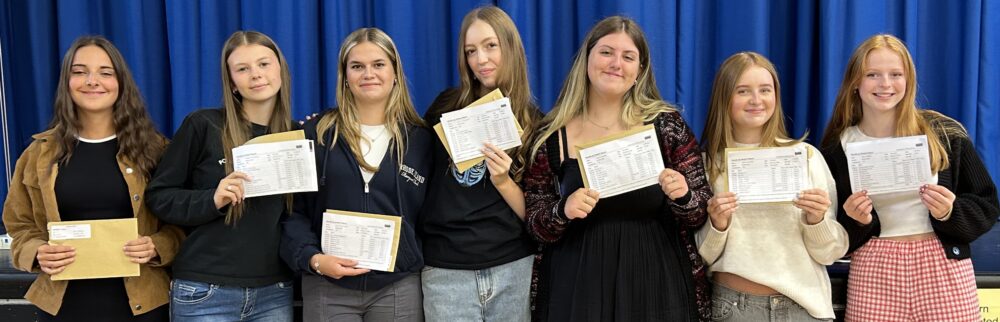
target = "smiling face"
x: 883, y: 81
x: 370, y: 74
x: 753, y: 100
x: 482, y: 52
x: 255, y: 72
x: 93, y: 82
x: 613, y: 65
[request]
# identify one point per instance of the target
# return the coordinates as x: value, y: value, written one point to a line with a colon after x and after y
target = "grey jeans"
x: 398, y: 302
x: 732, y: 305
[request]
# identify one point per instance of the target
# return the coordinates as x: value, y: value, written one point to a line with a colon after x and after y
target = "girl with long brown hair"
x: 100, y: 136
x: 232, y: 248
x: 473, y: 229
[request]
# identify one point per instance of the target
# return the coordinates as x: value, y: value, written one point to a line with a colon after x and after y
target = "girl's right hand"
x: 230, y: 189
x: 336, y: 267
x: 581, y: 203
x: 721, y: 208
x: 53, y: 259
x: 859, y: 207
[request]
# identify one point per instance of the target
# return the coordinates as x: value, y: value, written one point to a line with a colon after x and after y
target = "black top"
x: 394, y: 190
x: 91, y: 187
x: 466, y: 224
x: 623, y: 262
x: 974, y: 210
x: 244, y: 254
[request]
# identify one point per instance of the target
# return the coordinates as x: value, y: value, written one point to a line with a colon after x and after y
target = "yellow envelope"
x: 279, y: 137
x: 579, y: 160
x: 98, y: 244
x: 439, y: 129
x: 395, y: 234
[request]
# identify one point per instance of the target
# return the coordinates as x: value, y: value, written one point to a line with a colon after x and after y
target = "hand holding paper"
x: 140, y: 250
x: 673, y: 183
x: 721, y: 208
x: 336, y: 267
x: 230, y: 190
x: 581, y: 202
x: 814, y: 202
x: 53, y: 259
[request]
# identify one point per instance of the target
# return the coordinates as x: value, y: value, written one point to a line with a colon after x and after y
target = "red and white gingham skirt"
x: 910, y: 281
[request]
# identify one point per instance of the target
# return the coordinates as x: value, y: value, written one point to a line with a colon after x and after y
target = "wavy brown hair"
x: 138, y: 140
x: 512, y: 78
x: 399, y: 111
x: 237, y: 128
x: 910, y: 120
x: 641, y: 103
x: 718, y: 133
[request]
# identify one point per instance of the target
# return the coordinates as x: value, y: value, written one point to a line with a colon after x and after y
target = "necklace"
x: 372, y: 140
x: 606, y: 128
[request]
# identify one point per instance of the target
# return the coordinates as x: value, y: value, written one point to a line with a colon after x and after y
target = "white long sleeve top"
x: 771, y: 244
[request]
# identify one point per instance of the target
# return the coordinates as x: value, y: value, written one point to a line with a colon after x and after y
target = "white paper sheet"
x: 767, y: 174
x: 277, y: 167
x: 889, y: 165
x: 369, y: 239
x: 624, y: 164
x: 467, y: 129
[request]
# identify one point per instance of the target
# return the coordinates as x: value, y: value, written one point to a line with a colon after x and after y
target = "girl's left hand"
x: 938, y: 199
x: 141, y: 250
x: 814, y: 203
x: 673, y: 183
x: 498, y: 162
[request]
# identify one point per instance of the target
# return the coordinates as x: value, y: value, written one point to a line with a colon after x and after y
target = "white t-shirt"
x: 899, y: 213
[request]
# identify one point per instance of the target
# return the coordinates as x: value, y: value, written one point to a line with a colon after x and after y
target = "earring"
x: 234, y: 90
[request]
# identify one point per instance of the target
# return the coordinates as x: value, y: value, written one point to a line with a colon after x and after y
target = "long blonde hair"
x: 641, y: 103
x: 718, y: 133
x: 512, y: 78
x: 237, y: 129
x: 399, y: 108
x: 848, y: 111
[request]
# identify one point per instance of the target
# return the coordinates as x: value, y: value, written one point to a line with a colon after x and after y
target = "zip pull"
x: 366, y: 187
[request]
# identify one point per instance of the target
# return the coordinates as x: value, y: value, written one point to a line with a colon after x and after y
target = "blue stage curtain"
x: 173, y: 48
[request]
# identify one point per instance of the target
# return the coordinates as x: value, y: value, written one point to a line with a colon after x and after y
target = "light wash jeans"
x: 197, y: 301
x: 499, y: 293
x: 732, y: 305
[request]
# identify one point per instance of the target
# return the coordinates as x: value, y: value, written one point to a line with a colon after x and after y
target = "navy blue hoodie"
x: 393, y: 190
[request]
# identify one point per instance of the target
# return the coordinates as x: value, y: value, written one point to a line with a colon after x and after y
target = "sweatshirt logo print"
x: 411, y: 175
x: 470, y: 177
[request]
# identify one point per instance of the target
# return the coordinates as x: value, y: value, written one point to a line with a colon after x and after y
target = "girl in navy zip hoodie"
x: 374, y: 157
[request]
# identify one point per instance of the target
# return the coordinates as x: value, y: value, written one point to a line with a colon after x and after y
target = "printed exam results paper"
x: 889, y: 165
x: 277, y: 163
x: 772, y: 174
x: 622, y: 162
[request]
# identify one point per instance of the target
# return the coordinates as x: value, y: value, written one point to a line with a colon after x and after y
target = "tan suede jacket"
x: 31, y: 205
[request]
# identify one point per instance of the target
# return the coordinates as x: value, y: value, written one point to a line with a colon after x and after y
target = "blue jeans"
x: 499, y: 293
x: 197, y: 301
x: 732, y: 305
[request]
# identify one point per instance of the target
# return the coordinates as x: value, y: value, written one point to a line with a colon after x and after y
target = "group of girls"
x: 681, y: 250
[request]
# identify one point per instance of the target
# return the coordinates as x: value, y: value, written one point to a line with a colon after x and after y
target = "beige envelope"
x: 98, y: 244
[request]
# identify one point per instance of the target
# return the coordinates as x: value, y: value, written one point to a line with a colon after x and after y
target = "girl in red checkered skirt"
x: 910, y: 248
